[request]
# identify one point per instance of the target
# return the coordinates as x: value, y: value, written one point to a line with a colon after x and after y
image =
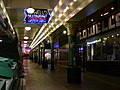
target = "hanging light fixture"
x: 74, y: 0
x: 25, y: 37
x: 30, y: 10
x: 25, y: 41
x: 27, y: 28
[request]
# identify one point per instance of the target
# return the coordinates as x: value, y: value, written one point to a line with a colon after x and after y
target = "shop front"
x: 100, y: 52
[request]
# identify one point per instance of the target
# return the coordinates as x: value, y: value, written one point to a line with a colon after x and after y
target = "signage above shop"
x: 95, y: 41
x: 40, y: 16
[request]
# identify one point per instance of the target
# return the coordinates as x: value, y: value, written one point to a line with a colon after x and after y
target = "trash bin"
x: 74, y: 74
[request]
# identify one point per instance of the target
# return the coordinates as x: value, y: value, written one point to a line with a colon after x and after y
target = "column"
x: 84, y: 57
x: 43, y: 51
x: 70, y: 32
x: 52, y: 53
x: 73, y: 72
x: 33, y: 56
x: 36, y: 54
x: 39, y: 54
x: 70, y: 50
x: 44, y: 62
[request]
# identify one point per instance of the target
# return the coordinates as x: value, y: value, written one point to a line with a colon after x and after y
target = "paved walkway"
x: 37, y: 78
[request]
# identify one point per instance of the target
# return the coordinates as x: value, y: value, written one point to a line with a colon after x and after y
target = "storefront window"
x: 113, y: 47
x: 107, y: 45
x: 107, y: 48
x: 94, y: 50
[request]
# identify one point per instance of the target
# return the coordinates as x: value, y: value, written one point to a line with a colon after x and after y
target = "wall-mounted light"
x: 41, y: 45
x: 64, y: 32
x: 0, y: 40
x: 13, y: 32
x: 112, y: 8
x: 101, y: 15
x: 91, y: 20
x: 48, y: 41
x: 117, y: 34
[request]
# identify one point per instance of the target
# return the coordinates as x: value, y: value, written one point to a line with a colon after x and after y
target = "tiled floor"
x: 37, y: 78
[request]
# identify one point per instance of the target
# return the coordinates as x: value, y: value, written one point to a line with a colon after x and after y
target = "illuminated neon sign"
x: 56, y: 45
x: 95, y: 41
x: 40, y: 16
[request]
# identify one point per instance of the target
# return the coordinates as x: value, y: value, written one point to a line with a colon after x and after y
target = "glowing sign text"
x: 38, y: 17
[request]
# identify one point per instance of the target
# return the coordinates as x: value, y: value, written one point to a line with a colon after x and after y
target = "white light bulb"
x: 25, y: 41
x: 74, y: 0
x: 27, y: 28
x: 30, y: 10
x: 64, y: 32
x: 26, y: 37
x: 0, y: 40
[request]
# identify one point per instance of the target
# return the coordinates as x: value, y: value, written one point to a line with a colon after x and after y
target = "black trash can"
x: 74, y: 74
x: 44, y: 64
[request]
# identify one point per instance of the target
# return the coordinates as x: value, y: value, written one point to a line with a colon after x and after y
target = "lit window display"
x: 94, y: 50
x: 107, y: 48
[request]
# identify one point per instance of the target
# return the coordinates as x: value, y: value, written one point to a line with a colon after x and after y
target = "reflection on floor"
x: 37, y: 78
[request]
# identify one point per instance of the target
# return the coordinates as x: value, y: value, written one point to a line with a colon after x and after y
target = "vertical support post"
x: 52, y: 53
x: 70, y: 32
x: 70, y: 50
x: 84, y: 57
x: 39, y: 54
x: 43, y: 54
x: 73, y: 72
x: 44, y: 62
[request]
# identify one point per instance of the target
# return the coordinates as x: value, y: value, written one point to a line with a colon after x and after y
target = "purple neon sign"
x: 40, y: 16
